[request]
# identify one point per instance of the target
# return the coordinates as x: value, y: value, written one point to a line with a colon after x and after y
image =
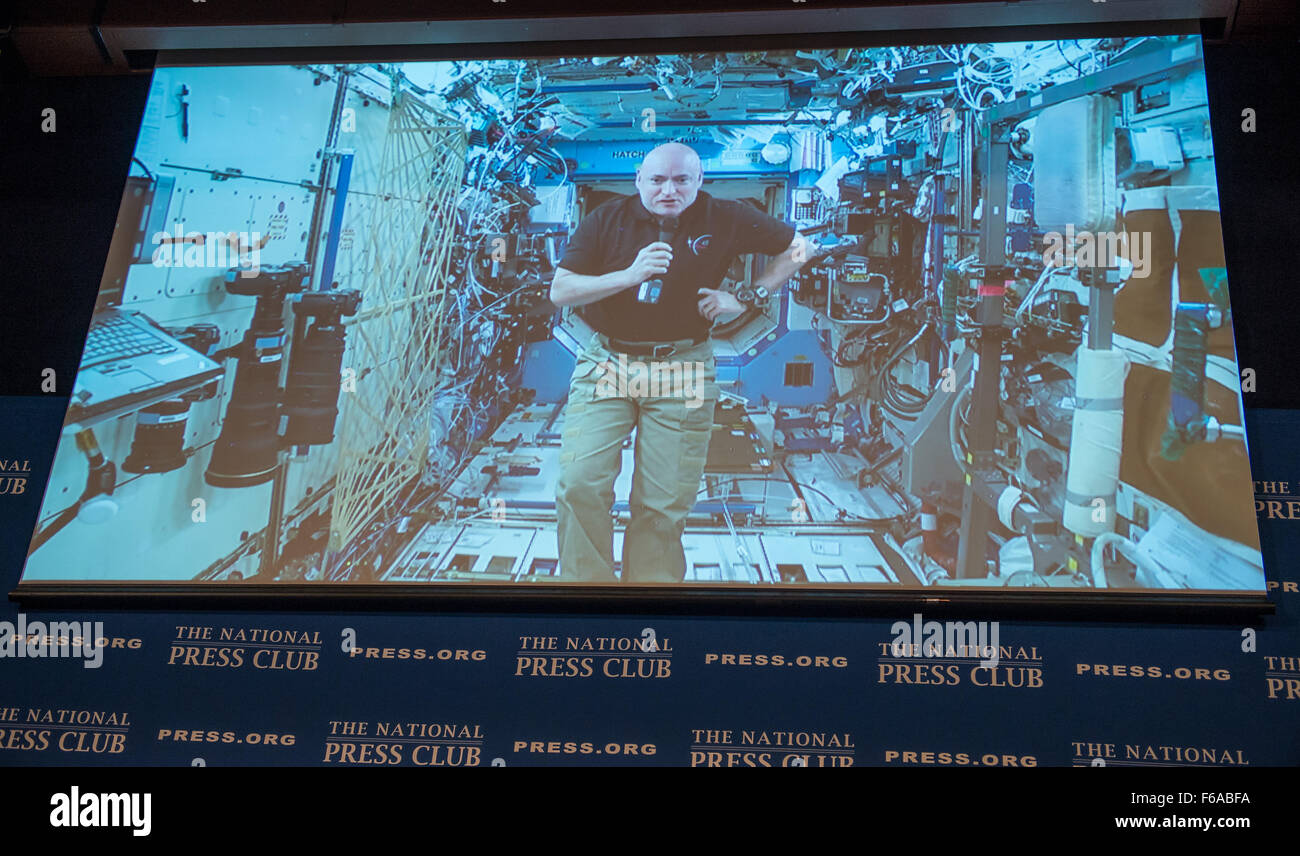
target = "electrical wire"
x: 899, y: 401
x: 801, y: 486
x: 1067, y: 59
x: 954, y: 435
x: 147, y: 173
x: 1029, y: 296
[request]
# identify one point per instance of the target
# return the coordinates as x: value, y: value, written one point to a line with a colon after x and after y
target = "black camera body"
x: 269, y: 281
x: 311, y: 390
x: 246, y: 452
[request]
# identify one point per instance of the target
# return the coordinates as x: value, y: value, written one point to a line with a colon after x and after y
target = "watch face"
x: 650, y: 291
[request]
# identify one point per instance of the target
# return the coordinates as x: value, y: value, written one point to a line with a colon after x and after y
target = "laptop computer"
x: 129, y: 362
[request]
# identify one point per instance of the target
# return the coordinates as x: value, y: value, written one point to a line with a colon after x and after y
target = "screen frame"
x: 1209, y: 606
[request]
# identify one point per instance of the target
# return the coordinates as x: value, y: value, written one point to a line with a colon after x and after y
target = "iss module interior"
x: 326, y: 346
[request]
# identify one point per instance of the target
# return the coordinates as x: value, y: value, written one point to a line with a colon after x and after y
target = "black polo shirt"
x: 710, y: 234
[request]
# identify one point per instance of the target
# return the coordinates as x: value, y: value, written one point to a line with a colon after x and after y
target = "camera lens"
x: 311, y: 390
x: 246, y: 453
x: 159, y: 442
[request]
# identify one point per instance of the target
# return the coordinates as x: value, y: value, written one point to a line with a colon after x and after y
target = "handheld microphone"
x: 667, y: 228
x: 652, y: 289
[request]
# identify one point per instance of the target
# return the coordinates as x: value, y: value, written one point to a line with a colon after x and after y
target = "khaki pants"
x: 673, y: 422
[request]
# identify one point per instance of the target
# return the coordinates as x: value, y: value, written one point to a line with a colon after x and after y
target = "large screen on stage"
x: 886, y: 318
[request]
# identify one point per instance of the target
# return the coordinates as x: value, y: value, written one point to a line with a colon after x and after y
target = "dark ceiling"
x: 76, y: 37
